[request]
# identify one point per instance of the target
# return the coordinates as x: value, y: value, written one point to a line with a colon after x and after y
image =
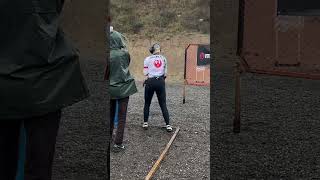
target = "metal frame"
x: 243, y: 67
x: 261, y: 71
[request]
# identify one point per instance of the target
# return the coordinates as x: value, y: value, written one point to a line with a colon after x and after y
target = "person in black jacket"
x: 39, y: 75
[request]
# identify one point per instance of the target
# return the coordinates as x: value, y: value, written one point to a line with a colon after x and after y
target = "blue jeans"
x: 121, y: 117
x: 40, y: 134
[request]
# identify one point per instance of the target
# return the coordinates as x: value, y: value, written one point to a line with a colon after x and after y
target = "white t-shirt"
x: 155, y: 66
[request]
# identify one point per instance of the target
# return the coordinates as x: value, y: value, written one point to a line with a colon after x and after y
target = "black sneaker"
x: 169, y: 128
x: 145, y: 125
x: 118, y: 148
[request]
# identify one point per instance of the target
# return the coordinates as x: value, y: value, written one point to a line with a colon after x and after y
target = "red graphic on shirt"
x: 157, y: 63
x: 202, y: 55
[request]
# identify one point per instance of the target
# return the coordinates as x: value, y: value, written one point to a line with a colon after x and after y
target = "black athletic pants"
x: 158, y: 86
x: 122, y: 116
x: 41, y: 133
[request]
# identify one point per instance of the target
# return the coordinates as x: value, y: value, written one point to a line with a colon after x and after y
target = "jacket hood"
x: 117, y: 40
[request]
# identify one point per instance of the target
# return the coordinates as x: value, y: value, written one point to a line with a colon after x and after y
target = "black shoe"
x: 169, y: 128
x: 118, y: 148
x: 145, y: 125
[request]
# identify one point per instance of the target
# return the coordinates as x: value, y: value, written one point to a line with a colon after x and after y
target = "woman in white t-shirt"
x: 155, y: 71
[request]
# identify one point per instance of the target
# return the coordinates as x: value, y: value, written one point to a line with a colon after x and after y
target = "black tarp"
x: 39, y: 67
x: 299, y: 7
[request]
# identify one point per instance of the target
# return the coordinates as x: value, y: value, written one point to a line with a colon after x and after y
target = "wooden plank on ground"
x: 163, y: 154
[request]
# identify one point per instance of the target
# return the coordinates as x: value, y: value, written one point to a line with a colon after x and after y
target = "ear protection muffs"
x: 152, y: 48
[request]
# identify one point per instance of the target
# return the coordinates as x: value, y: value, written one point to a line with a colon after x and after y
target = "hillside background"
x: 172, y: 23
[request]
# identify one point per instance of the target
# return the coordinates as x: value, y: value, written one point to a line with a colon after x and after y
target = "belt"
x: 157, y: 77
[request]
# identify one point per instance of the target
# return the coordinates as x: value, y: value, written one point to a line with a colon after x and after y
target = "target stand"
x: 197, y: 66
x: 284, y: 43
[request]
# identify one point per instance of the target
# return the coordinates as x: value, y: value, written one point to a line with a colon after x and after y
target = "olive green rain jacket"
x: 122, y: 84
x: 39, y: 68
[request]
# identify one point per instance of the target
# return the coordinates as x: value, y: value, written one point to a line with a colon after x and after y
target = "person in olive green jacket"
x: 122, y: 85
x: 39, y: 75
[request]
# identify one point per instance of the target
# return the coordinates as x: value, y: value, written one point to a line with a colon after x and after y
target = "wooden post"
x: 163, y: 154
x: 184, y: 92
x: 236, y: 121
x: 185, y: 74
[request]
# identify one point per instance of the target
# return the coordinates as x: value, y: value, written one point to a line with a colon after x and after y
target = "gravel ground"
x: 81, y: 149
x: 188, y: 157
x: 280, y: 130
